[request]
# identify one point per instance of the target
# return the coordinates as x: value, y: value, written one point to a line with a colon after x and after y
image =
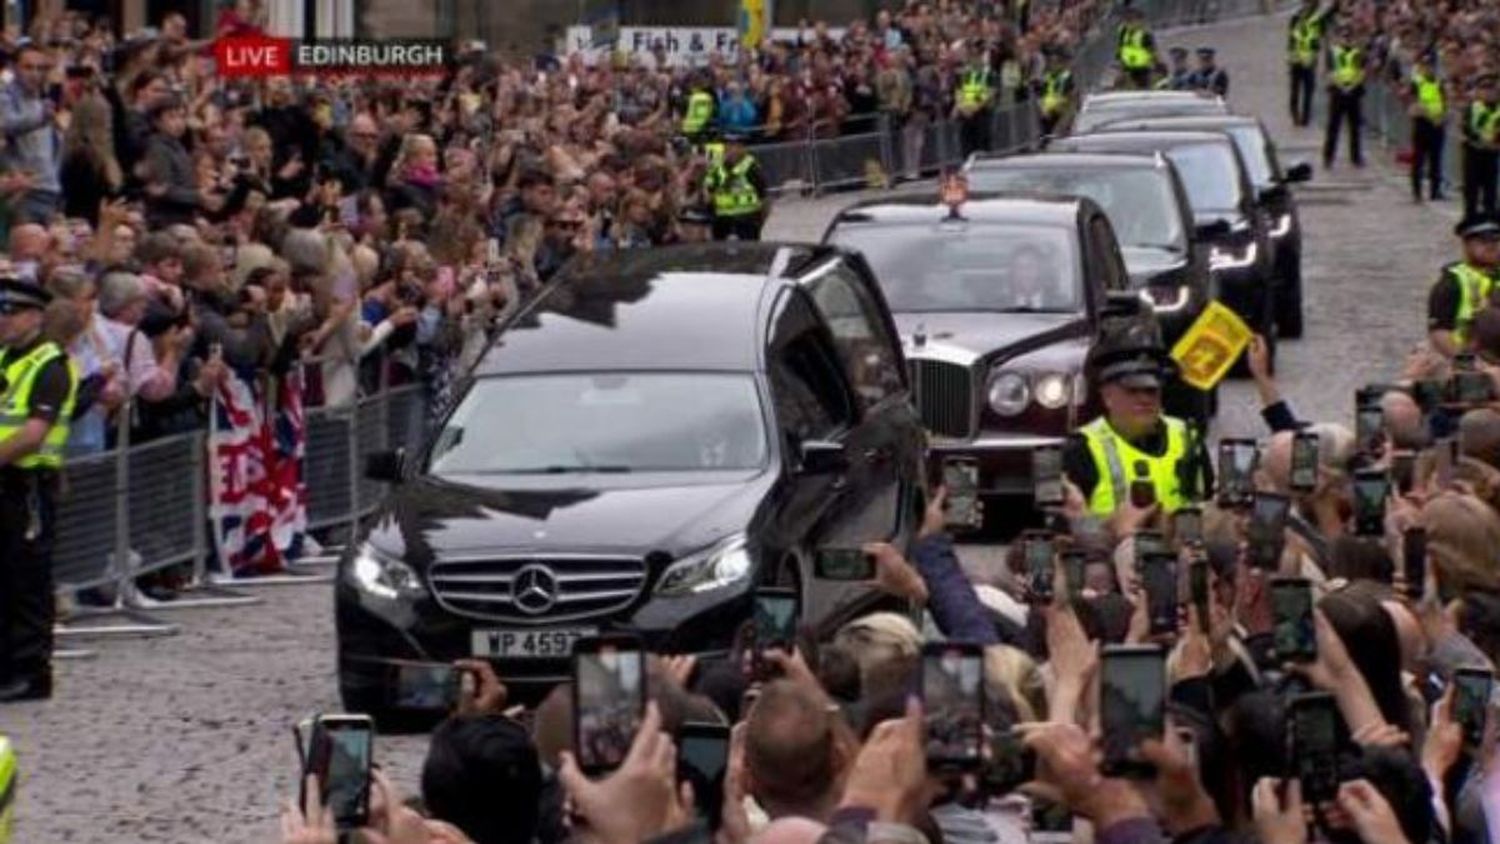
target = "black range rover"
x: 656, y: 435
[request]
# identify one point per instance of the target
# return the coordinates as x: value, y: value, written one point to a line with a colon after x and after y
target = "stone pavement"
x: 188, y: 738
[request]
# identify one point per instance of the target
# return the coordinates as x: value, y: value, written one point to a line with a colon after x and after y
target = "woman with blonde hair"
x: 416, y: 181
x: 90, y: 173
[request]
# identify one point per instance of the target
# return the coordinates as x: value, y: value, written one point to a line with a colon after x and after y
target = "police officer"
x: 1429, y: 115
x: 1135, y: 50
x: 36, y: 401
x: 1481, y: 147
x: 698, y: 116
x: 1209, y: 76
x: 1465, y: 287
x: 738, y: 190
x: 1055, y: 91
x: 1179, y: 76
x: 1134, y: 440
x: 972, y: 101
x: 1303, y: 46
x: 1346, y: 96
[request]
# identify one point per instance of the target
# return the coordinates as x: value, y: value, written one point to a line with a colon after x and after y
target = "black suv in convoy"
x: 1273, y: 191
x: 998, y: 300
x: 1149, y: 211
x: 659, y: 433
x: 1225, y: 209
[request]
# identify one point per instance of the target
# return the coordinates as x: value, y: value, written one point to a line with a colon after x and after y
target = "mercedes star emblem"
x: 534, y: 590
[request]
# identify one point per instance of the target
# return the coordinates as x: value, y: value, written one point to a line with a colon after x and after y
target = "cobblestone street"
x: 187, y: 738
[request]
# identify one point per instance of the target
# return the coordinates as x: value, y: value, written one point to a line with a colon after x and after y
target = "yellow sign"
x: 753, y: 20
x: 1211, y: 345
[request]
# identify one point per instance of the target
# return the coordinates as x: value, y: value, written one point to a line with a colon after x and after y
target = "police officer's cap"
x: 16, y: 295
x: 1206, y: 52
x: 1478, y: 225
x: 1178, y: 51
x: 1143, y: 370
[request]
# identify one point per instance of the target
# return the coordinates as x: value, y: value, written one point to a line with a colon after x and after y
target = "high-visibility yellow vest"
x: 974, y: 88
x: 700, y: 110
x: 8, y: 784
x: 1430, y: 95
x: 1348, y: 67
x: 714, y: 152
x: 1055, y: 92
x: 1484, y: 121
x: 15, y: 404
x: 1133, y: 52
x: 1307, y: 35
x: 1474, y: 286
x: 1115, y: 460
x: 734, y: 196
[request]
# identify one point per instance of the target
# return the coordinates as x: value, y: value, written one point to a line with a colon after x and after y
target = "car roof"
x: 1104, y: 97
x: 1142, y: 140
x: 696, y: 306
x: 1182, y: 121
x: 1062, y: 160
x: 983, y: 206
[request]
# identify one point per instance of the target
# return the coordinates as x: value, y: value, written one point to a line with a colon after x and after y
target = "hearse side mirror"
x: 1297, y: 173
x: 1273, y: 193
x: 1212, y: 231
x: 387, y: 466
x: 823, y: 457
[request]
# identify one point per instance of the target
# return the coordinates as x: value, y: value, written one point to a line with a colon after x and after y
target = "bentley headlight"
x: 1283, y: 226
x: 1008, y: 394
x: 1222, y: 258
x: 723, y: 565
x: 383, y: 576
x: 1052, y: 390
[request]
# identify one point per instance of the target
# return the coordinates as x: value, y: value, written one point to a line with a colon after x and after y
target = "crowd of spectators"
x: 1461, y: 35
x: 831, y: 747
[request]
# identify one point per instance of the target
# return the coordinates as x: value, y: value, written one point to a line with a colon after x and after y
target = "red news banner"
x: 266, y: 56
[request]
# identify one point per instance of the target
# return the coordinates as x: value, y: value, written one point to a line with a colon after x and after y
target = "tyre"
x: 1289, y: 300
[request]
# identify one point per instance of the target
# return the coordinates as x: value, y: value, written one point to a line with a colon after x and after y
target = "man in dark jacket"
x: 171, y: 190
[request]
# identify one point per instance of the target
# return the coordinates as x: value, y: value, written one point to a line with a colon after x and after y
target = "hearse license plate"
x: 550, y: 643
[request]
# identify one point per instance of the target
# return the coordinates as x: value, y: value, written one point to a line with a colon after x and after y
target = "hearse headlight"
x: 381, y: 575
x: 1052, y: 390
x: 1008, y: 393
x: 723, y: 565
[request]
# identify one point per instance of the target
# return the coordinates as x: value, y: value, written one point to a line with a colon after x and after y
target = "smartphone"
x: 1447, y: 459
x: 426, y: 686
x: 702, y: 762
x: 1039, y: 553
x: 1403, y: 470
x: 609, y: 699
x: 1046, y: 476
x: 1293, y: 633
x: 1371, y: 488
x: 1011, y: 762
x: 1313, y: 745
x: 843, y: 564
x: 1159, y: 576
x: 953, y: 700
x: 1198, y: 590
x: 1267, y: 529
x: 773, y: 626
x: 1465, y: 362
x: 1473, y: 388
x: 1429, y: 394
x: 1304, y: 474
x: 339, y: 752
x: 302, y: 735
x: 1414, y: 561
x: 1074, y: 563
x: 1237, y: 459
x: 1132, y: 705
x: 1187, y: 526
x: 961, y: 480
x: 1369, y: 429
x: 1471, y: 702
x: 1148, y: 542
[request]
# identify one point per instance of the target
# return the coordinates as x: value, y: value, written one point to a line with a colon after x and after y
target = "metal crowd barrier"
x: 141, y: 508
